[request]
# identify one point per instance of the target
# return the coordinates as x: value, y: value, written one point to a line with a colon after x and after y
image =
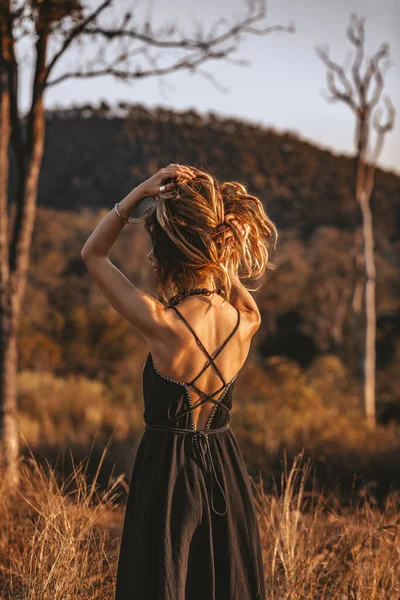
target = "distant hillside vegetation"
x: 93, y: 157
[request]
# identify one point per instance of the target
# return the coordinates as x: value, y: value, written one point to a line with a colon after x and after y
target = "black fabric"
x: 190, y: 530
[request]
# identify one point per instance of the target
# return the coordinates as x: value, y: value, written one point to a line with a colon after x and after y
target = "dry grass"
x: 55, y: 537
x: 60, y: 541
x: 51, y: 410
x: 315, y: 549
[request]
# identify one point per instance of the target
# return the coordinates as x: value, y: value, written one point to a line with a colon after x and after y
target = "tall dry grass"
x: 56, y: 537
x: 60, y: 540
x: 316, y: 549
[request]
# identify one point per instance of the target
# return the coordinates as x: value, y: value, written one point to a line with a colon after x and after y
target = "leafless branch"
x: 381, y: 129
x: 211, y: 79
x: 360, y: 85
x: 356, y: 34
x: 346, y: 95
x: 75, y: 32
x: 200, y: 48
x: 266, y: 30
x: 127, y: 74
x: 201, y: 41
x: 384, y: 127
x: 375, y: 70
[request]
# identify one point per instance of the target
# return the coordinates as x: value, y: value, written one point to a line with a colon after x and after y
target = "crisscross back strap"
x: 211, y: 359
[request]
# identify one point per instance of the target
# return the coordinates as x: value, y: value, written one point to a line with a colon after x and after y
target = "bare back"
x: 205, y: 348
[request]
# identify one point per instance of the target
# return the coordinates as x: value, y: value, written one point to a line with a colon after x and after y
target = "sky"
x: 283, y: 87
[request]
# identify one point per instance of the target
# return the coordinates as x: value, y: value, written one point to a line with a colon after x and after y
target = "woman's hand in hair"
x: 151, y: 187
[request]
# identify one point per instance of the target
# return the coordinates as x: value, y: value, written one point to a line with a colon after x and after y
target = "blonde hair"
x: 186, y: 229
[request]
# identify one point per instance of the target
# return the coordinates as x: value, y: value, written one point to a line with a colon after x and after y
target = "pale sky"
x: 281, y: 88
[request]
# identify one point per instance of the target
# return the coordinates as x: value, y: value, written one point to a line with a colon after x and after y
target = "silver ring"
x: 162, y: 188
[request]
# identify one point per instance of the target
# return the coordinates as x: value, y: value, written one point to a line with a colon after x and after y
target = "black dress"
x: 190, y: 530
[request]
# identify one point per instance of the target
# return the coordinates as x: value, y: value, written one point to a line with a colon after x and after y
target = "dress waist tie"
x: 201, y: 447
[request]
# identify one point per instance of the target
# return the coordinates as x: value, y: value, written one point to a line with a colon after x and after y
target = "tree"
x: 362, y: 94
x: 124, y: 51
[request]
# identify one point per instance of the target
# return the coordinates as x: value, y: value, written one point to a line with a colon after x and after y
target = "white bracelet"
x: 123, y: 219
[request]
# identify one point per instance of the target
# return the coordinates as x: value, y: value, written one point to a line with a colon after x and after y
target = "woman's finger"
x: 178, y: 166
x: 174, y: 175
x: 179, y: 170
x: 168, y: 187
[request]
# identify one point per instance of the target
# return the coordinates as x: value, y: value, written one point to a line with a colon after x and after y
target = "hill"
x: 93, y: 157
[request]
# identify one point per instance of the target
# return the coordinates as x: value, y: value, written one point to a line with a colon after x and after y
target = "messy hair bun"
x: 204, y: 231
x: 249, y: 256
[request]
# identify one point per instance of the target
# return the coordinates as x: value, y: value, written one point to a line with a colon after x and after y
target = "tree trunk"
x: 370, y: 314
x: 15, y: 241
x: 358, y: 285
x: 8, y: 435
x: 9, y: 443
x: 13, y: 298
x: 363, y: 195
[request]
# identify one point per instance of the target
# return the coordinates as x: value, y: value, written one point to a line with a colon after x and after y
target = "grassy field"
x: 59, y: 541
x: 324, y: 486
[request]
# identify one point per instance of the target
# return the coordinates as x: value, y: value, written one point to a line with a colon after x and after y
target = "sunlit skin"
x: 143, y: 311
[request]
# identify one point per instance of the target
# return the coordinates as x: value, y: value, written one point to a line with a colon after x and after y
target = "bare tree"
x: 123, y: 50
x: 362, y: 94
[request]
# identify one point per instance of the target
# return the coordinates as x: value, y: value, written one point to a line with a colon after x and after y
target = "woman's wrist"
x: 128, y: 204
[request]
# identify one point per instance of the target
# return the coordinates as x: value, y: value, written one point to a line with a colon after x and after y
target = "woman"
x: 190, y: 529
